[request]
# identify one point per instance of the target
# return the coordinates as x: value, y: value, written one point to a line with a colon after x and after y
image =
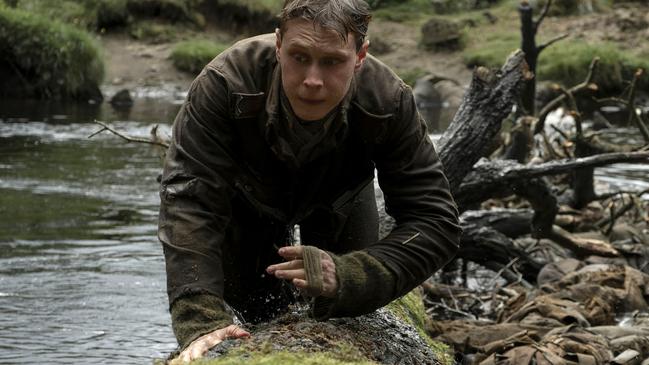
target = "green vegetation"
x: 272, y: 6
x: 285, y: 358
x: 192, y: 56
x: 491, y: 48
x: 410, y: 308
x: 568, y: 64
x: 47, y: 58
x: 107, y: 14
x: 153, y: 31
x: 405, y: 11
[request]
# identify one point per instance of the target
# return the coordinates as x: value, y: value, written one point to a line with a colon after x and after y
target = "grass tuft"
x: 192, y: 56
x: 568, y: 64
x: 47, y: 58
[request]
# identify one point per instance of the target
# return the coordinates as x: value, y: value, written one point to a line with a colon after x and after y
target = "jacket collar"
x: 276, y: 129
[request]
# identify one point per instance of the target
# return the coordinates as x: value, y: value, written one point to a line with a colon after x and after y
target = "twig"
x: 562, y: 133
x: 544, y: 12
x: 446, y: 307
x: 586, y: 85
x: 572, y: 103
x: 105, y: 127
x: 493, y: 281
x: 551, y: 42
x: 614, y: 215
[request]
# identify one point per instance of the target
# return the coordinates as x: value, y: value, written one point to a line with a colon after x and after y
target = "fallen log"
x: 391, y: 335
x: 489, y: 179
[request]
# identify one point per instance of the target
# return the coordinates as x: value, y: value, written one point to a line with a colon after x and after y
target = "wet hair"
x: 342, y: 16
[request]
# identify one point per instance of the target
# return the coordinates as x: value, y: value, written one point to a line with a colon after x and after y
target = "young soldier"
x: 284, y: 129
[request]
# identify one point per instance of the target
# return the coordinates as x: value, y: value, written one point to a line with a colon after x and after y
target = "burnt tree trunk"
x: 488, y: 101
x: 528, y: 45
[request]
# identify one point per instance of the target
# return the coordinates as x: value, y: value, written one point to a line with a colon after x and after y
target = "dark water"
x: 81, y: 270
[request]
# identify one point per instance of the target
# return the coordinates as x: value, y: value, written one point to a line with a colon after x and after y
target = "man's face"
x: 317, y: 67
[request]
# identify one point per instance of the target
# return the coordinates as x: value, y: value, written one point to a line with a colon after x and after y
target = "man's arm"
x: 427, y: 231
x: 195, y: 208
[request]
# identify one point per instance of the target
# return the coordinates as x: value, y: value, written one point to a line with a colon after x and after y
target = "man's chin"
x: 311, y: 115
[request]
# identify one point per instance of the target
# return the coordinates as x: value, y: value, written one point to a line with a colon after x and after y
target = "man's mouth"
x: 311, y: 101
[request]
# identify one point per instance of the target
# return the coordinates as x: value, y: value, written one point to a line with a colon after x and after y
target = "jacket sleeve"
x: 427, y: 231
x: 417, y: 196
x: 195, y: 206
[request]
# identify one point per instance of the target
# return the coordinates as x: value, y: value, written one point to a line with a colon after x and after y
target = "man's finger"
x: 300, y: 284
x: 290, y: 252
x: 289, y: 265
x: 234, y: 331
x: 200, y: 346
x: 291, y: 274
x: 200, y: 349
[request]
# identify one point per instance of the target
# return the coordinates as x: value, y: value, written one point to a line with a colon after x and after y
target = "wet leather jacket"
x: 226, y: 143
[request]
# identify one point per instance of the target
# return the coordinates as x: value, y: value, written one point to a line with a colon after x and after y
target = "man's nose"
x: 313, y: 77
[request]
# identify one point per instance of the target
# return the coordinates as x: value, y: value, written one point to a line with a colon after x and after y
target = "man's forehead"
x: 307, y: 34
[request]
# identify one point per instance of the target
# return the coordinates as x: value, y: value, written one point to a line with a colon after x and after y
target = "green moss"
x: 192, y: 56
x: 47, y: 58
x: 410, y: 308
x: 287, y: 358
x: 568, y: 62
x: 409, y: 11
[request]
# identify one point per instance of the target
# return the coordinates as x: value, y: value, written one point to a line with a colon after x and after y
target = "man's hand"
x: 199, y: 347
x: 294, y: 271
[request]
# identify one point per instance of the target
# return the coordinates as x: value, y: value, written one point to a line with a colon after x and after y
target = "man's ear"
x: 360, y: 56
x: 278, y: 42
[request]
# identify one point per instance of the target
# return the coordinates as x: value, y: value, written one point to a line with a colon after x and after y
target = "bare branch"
x: 586, y: 85
x: 551, y: 41
x: 544, y: 12
x: 105, y: 127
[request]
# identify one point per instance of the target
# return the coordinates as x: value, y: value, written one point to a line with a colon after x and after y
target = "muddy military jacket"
x: 227, y: 142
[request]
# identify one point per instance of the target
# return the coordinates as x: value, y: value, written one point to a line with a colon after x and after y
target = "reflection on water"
x: 81, y: 270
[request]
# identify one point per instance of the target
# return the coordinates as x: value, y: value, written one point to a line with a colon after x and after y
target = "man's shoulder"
x: 378, y: 88
x: 247, y: 64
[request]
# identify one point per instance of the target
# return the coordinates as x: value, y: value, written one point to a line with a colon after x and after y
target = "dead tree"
x: 529, y: 28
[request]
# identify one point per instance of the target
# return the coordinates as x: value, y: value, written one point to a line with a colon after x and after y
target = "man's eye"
x: 300, y: 58
x: 331, y: 61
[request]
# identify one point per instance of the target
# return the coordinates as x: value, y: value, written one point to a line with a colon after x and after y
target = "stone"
x: 440, y: 33
x: 122, y: 99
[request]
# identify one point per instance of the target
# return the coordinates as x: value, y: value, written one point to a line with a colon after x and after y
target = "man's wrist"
x: 195, y: 315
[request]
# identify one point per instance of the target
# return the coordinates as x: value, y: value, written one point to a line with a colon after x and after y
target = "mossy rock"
x: 43, y: 58
x: 394, y: 334
x: 192, y: 56
x: 440, y: 32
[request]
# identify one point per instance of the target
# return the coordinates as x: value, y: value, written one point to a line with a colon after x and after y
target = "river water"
x: 81, y: 270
